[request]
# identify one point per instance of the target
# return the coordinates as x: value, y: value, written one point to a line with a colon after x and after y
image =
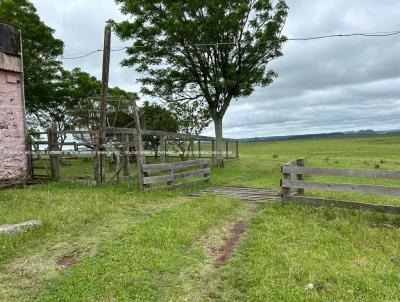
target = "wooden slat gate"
x: 176, y: 171
x: 293, y: 178
x: 38, y: 165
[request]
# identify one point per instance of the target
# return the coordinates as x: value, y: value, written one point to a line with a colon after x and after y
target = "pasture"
x: 114, y: 243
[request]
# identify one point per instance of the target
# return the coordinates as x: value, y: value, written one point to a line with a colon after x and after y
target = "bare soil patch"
x: 223, y: 252
x: 69, y: 260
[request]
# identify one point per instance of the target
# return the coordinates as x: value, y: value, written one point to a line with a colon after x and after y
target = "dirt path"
x: 223, y: 252
x: 218, y: 245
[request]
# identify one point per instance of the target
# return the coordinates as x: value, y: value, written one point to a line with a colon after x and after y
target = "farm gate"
x: 293, y: 174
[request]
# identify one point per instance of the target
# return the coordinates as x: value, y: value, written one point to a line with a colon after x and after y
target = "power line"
x: 80, y: 55
x: 374, y: 34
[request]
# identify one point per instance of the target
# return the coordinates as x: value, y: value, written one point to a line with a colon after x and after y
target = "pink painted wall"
x: 13, y: 159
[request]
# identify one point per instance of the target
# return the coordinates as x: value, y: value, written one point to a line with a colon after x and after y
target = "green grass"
x: 154, y: 246
x: 348, y: 256
x: 143, y: 262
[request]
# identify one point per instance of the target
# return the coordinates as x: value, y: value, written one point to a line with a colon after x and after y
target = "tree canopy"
x: 209, y: 51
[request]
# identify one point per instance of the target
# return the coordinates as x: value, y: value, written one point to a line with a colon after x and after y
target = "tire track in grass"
x: 217, y: 246
x: 144, y: 263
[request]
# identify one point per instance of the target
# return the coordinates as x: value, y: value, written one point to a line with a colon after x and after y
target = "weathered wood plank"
x: 175, y: 165
x: 340, y: 187
x: 343, y: 204
x: 116, y: 130
x: 174, y: 177
x: 286, y: 176
x: 181, y: 175
x: 53, y: 149
x: 204, y: 179
x: 157, y: 179
x: 342, y: 172
x: 173, y: 186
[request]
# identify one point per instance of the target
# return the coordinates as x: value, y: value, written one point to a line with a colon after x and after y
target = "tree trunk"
x: 219, y: 159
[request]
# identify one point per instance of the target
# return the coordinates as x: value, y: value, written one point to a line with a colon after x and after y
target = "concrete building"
x: 13, y: 135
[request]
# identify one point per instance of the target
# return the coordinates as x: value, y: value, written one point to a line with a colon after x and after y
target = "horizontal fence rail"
x: 341, y: 172
x: 202, y: 168
x: 293, y: 179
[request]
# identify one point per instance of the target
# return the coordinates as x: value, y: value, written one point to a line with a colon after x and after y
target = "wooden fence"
x: 45, y: 155
x: 176, y: 171
x: 48, y: 162
x: 293, y: 179
x: 198, y: 143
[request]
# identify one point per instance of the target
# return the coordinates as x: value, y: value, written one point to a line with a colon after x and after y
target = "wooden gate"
x: 176, y: 171
x: 293, y: 178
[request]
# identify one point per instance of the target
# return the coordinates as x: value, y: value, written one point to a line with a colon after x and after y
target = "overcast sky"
x: 323, y: 86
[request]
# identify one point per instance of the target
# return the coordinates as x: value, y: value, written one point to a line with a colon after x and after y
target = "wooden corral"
x: 293, y: 179
x: 52, y: 149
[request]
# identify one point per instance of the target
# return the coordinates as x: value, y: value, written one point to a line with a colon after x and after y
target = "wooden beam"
x: 285, y: 177
x: 192, y: 148
x: 340, y: 187
x: 300, y: 176
x: 140, y: 156
x: 175, y: 165
x: 54, y: 157
x: 127, y: 171
x: 199, y: 147
x: 173, y: 186
x: 103, y: 103
x: 170, y: 135
x: 342, y: 172
x: 162, y: 148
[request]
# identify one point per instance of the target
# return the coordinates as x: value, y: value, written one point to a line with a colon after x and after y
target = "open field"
x: 114, y: 243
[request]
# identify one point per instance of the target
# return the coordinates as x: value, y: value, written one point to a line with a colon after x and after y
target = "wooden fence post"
x: 237, y: 149
x: 300, y: 163
x: 199, y: 147
x: 53, y: 156
x: 171, y: 183
x: 98, y: 160
x: 227, y: 149
x: 30, y: 157
x: 285, y: 190
x: 206, y: 175
x: 167, y: 157
x: 103, y: 102
x: 126, y: 156
x: 140, y: 156
x: 213, y: 150
x: 288, y: 176
x: 192, y: 148
x: 162, y: 148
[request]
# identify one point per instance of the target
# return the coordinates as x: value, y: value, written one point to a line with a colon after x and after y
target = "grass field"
x: 114, y: 243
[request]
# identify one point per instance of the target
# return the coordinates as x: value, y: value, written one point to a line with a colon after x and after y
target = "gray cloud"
x: 324, y: 85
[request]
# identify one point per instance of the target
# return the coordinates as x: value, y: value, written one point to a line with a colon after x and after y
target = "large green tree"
x: 40, y: 49
x: 210, y: 51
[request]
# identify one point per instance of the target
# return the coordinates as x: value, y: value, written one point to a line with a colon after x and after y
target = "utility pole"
x: 103, y: 105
